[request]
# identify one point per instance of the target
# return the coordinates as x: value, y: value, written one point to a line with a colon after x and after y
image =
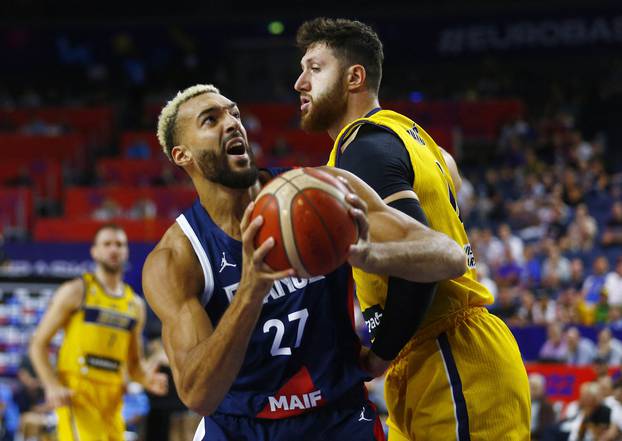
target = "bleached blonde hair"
x: 167, y: 121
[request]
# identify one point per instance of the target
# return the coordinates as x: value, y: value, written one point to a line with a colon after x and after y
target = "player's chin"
x: 113, y: 266
x: 240, y: 161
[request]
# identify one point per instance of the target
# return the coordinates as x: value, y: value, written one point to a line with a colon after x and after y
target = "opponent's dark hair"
x: 352, y: 41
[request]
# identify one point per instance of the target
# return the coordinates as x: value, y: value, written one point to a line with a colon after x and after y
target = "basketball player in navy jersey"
x: 263, y: 354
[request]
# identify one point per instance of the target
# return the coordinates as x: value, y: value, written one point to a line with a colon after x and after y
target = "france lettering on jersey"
x: 303, y: 353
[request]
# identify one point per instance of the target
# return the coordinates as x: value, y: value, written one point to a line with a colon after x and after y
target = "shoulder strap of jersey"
x: 88, y: 279
x: 385, y: 119
x: 128, y: 292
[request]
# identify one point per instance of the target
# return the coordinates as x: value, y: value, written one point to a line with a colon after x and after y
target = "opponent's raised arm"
x: 398, y: 245
x: 205, y: 360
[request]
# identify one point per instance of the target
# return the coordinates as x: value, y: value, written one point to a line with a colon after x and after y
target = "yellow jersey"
x: 437, y: 195
x: 98, y: 335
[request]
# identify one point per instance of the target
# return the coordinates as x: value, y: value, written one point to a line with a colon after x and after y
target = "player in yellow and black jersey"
x: 102, y: 319
x: 455, y: 370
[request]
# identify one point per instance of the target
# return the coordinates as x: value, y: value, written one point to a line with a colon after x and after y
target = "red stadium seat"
x: 273, y: 115
x: 16, y: 209
x: 483, y: 119
x: 81, y: 202
x: 132, y: 139
x: 82, y: 230
x: 46, y: 175
x: 28, y: 147
x: 137, y: 172
x: 95, y: 122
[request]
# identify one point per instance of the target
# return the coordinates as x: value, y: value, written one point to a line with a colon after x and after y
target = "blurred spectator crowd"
x: 545, y: 222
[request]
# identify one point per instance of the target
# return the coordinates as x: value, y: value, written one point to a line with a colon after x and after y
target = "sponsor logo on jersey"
x: 224, y: 264
x: 295, y: 402
x: 108, y: 318
x: 103, y: 363
x: 414, y: 132
x: 362, y: 416
x: 468, y: 250
x: 373, y: 317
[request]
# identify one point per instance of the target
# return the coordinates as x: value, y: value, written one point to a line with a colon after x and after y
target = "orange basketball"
x: 305, y: 211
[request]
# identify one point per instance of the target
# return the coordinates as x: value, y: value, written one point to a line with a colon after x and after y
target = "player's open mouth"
x: 236, y: 147
x: 305, y: 102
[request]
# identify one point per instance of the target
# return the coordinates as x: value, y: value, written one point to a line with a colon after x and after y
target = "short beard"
x: 215, y: 167
x: 326, y: 109
x: 111, y: 269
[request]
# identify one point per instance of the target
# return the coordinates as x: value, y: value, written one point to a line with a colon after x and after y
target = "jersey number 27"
x: 276, y: 349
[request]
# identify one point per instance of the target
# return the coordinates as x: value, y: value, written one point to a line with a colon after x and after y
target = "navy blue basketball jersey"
x: 303, y: 353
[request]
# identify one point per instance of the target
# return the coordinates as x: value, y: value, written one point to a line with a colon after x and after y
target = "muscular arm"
x: 399, y: 245
x: 205, y: 360
x: 138, y: 369
x: 406, y: 304
x: 65, y: 302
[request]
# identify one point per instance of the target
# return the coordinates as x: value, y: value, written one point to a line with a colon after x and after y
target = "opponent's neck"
x: 225, y: 205
x: 111, y: 282
x: 358, y: 107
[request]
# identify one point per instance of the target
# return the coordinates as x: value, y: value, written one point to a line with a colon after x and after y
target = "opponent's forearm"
x: 38, y: 352
x: 213, y: 365
x: 404, y: 311
x: 424, y: 259
x: 137, y: 371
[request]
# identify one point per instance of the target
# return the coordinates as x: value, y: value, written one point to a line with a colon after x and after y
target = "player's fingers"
x: 272, y: 275
x: 247, y: 215
x: 261, y: 252
x: 361, y: 220
x: 248, y: 235
x: 345, y: 182
x: 354, y: 200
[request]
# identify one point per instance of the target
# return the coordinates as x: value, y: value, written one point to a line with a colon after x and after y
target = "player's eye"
x: 315, y: 68
x: 208, y: 120
x: 236, y: 114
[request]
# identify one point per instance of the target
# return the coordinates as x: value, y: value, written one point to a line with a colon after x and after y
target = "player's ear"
x: 356, y: 77
x: 181, y: 155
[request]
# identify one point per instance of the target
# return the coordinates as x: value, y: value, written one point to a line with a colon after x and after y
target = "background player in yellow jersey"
x: 461, y: 376
x: 103, y: 320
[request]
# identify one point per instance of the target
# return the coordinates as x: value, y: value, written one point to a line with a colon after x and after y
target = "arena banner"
x: 563, y: 382
x: 54, y: 261
x: 518, y: 34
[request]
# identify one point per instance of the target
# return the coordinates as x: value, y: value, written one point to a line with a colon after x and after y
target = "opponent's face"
x: 110, y: 250
x: 322, y: 88
x: 212, y: 137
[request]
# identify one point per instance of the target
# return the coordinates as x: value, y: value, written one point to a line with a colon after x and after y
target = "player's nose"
x: 233, y: 124
x: 302, y: 83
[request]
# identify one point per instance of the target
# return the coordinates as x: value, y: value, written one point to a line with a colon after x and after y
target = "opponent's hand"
x: 257, y: 276
x: 156, y: 383
x: 58, y: 396
x: 372, y: 363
